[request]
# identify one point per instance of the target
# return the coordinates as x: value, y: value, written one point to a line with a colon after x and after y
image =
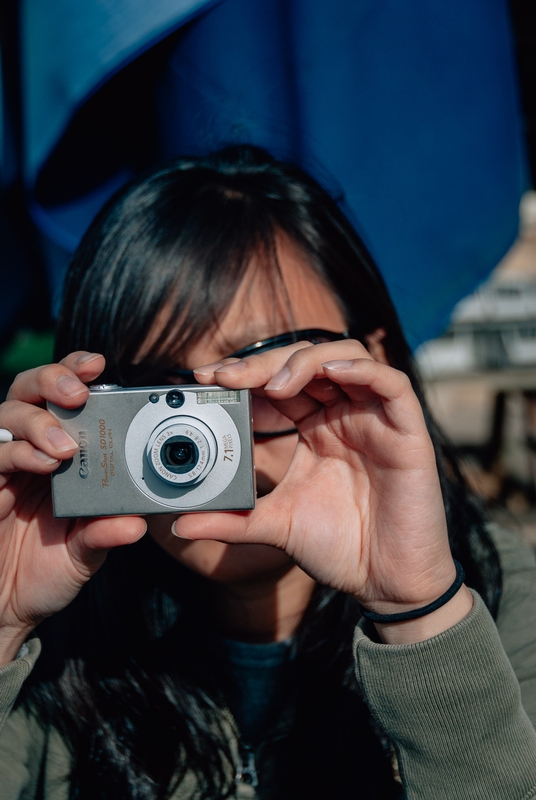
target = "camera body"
x: 156, y: 450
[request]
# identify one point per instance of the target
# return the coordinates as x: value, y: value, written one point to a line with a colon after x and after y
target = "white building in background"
x: 494, y: 328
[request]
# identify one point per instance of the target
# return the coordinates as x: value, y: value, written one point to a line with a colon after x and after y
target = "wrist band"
x: 420, y: 612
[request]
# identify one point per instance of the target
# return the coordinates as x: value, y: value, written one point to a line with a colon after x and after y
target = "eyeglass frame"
x: 312, y: 335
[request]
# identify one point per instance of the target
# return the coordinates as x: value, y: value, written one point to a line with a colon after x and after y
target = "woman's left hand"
x: 360, y: 508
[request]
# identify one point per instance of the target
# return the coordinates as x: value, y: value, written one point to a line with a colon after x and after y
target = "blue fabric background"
x: 409, y: 109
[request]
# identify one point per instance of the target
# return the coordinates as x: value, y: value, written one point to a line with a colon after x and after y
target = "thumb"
x: 262, y: 525
x: 91, y: 540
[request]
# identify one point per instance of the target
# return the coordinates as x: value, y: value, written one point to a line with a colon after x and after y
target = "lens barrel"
x: 179, y: 455
x: 181, y: 451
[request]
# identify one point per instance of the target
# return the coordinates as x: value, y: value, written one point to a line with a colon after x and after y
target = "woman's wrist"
x: 11, y: 641
x: 418, y: 630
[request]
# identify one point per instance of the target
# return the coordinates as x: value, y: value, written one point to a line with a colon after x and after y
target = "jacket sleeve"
x: 451, y: 706
x: 20, y: 740
x: 13, y: 675
x: 516, y: 620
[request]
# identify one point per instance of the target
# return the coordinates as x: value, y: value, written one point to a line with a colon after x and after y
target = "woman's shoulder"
x: 515, y: 554
x: 517, y: 605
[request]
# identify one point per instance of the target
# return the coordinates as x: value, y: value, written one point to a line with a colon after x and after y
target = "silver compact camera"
x: 156, y: 450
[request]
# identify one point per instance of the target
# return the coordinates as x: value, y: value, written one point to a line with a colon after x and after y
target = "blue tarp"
x: 410, y: 109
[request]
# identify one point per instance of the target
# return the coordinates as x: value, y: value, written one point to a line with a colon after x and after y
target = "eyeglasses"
x: 268, y: 423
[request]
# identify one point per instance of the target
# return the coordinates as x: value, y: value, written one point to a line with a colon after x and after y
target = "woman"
x: 213, y: 657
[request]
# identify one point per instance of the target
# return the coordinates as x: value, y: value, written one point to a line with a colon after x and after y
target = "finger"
x: 87, y: 366
x: 317, y: 394
x: 55, y: 382
x: 285, y: 371
x: 251, y: 366
x: 24, y: 457
x: 393, y: 387
x: 255, y: 370
x: 22, y: 485
x: 62, y: 383
x: 91, y: 540
x: 324, y: 391
x: 297, y: 408
x: 205, y: 374
x: 260, y: 526
x: 36, y: 426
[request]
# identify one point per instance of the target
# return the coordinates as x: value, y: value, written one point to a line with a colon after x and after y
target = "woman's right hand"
x: 44, y: 562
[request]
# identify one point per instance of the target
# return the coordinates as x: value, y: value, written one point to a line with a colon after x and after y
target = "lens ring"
x: 164, y: 456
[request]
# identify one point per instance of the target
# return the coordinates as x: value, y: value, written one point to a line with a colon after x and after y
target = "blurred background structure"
x: 420, y: 116
x: 480, y: 379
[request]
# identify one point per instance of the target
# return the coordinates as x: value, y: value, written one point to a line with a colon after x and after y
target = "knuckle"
x: 35, y: 417
x: 23, y: 418
x: 403, y: 384
x: 18, y: 383
x: 9, y: 413
x: 8, y: 457
x: 19, y: 457
x: 47, y: 375
x: 33, y: 381
x: 302, y: 353
x: 6, y: 408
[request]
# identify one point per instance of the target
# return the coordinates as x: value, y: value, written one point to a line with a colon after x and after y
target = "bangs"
x: 198, y: 300
x: 170, y: 261
x: 162, y: 263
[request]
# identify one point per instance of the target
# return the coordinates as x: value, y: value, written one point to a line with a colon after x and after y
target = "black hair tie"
x: 420, y: 612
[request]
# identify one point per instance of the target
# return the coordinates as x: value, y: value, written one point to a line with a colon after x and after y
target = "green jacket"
x: 459, y: 709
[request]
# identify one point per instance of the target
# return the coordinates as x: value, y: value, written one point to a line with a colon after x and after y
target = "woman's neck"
x: 267, y: 610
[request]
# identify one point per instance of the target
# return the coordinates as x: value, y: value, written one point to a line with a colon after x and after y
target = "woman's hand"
x: 360, y: 507
x: 44, y: 562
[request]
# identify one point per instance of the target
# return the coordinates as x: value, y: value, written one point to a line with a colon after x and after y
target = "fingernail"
x: 338, y: 364
x: 174, y: 531
x: 278, y: 381
x: 238, y: 366
x: 60, y: 440
x: 86, y: 358
x: 208, y: 369
x: 70, y: 387
x: 44, y: 457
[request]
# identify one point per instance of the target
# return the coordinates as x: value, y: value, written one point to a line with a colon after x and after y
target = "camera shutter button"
x: 104, y: 387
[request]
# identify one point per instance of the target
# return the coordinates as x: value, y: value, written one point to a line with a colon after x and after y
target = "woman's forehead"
x: 264, y: 307
x: 276, y: 295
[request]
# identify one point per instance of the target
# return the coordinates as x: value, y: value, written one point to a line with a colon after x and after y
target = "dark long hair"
x: 127, y: 678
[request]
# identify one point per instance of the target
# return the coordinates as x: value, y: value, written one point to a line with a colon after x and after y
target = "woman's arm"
x: 22, y: 740
x: 451, y: 706
x: 360, y: 509
x: 13, y: 675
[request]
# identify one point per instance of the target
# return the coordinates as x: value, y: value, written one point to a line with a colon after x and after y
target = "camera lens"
x: 175, y: 399
x: 179, y: 455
